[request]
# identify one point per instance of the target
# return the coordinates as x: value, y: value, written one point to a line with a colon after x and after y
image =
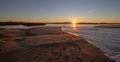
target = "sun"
x: 74, y: 23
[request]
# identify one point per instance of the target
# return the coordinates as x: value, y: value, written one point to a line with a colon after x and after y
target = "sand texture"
x: 46, y: 44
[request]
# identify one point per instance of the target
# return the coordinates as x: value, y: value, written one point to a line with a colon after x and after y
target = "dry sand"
x: 46, y: 44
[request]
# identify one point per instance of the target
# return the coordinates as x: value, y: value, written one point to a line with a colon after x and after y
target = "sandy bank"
x: 46, y: 44
x: 108, y: 26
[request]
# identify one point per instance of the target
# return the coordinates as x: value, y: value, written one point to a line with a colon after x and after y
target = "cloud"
x: 91, y: 10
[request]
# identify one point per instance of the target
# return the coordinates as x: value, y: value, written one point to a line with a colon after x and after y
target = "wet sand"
x: 46, y: 44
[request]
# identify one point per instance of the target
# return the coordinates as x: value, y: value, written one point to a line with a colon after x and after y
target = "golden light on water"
x: 74, y: 23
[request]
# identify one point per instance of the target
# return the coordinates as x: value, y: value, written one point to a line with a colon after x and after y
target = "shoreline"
x: 92, y: 44
x: 46, y: 44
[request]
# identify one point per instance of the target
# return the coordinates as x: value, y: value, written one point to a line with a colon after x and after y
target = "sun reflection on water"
x: 74, y: 24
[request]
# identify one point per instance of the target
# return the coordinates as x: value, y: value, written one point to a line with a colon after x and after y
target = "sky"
x: 60, y: 10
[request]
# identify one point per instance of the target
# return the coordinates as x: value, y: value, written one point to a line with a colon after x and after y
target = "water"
x: 107, y: 39
x: 19, y: 26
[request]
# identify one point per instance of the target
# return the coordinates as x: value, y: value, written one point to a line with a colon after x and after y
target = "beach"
x: 46, y: 44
